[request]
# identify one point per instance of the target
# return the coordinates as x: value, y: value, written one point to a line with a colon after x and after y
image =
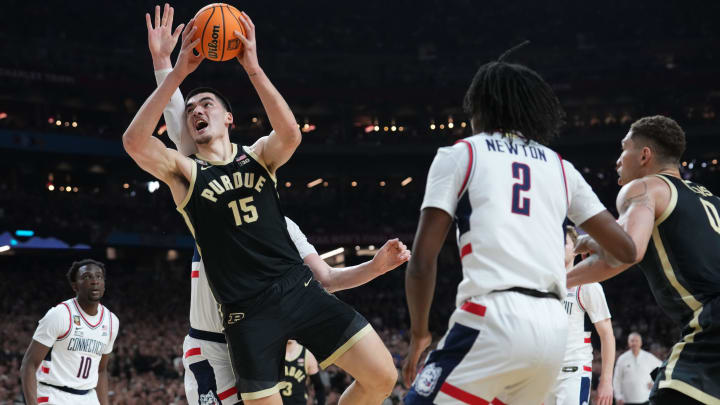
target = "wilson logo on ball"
x: 216, y: 24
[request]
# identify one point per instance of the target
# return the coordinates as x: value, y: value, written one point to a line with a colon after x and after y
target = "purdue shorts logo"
x: 428, y: 378
x: 208, y: 399
x: 235, y: 317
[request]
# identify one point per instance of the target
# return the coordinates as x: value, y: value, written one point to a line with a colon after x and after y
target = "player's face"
x: 206, y: 117
x: 569, y: 251
x: 628, y: 164
x: 90, y: 283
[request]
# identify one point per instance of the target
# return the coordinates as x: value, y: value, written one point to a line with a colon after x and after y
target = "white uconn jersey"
x: 585, y: 299
x: 510, y: 199
x: 78, y: 343
x: 204, y: 314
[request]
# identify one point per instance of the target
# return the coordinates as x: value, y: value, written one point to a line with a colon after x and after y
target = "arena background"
x: 376, y: 87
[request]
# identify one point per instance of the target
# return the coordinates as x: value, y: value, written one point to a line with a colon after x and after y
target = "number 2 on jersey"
x: 250, y: 211
x: 520, y: 205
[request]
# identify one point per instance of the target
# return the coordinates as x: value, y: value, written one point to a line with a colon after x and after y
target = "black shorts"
x: 693, y: 367
x: 294, y: 307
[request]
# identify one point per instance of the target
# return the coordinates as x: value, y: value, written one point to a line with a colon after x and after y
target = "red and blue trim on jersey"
x: 67, y: 332
x: 91, y: 326
x: 464, y: 208
x: 458, y: 342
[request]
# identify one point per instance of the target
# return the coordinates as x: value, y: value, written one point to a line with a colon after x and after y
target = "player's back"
x: 510, y: 214
x: 682, y: 263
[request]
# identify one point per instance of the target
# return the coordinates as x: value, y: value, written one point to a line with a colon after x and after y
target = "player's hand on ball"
x: 391, y: 255
x: 248, y: 55
x: 161, y: 38
x: 419, y: 341
x: 604, y: 393
x: 187, y: 60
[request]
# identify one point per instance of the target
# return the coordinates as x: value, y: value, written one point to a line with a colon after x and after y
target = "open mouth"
x: 200, y: 125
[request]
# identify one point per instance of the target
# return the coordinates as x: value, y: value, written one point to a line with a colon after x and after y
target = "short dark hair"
x: 509, y: 97
x: 72, y: 273
x: 664, y: 135
x: 224, y: 100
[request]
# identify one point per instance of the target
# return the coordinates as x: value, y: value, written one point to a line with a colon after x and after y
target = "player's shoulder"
x: 62, y: 309
x: 624, y: 356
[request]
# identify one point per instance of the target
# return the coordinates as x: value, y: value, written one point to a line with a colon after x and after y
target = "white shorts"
x: 209, y: 379
x: 571, y: 388
x: 502, y: 348
x: 53, y: 396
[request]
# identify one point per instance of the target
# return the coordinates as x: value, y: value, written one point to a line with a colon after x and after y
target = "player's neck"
x: 635, y: 352
x: 669, y: 171
x: 89, y: 307
x: 217, y: 150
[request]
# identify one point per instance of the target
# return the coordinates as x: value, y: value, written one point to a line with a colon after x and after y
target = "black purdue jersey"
x: 682, y: 263
x: 233, y: 211
x: 293, y: 385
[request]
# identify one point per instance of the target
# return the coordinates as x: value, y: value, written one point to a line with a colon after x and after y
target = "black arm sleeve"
x: 319, y: 388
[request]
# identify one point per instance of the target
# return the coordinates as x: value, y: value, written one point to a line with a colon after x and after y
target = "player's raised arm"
x: 148, y: 152
x: 277, y: 148
x: 161, y: 42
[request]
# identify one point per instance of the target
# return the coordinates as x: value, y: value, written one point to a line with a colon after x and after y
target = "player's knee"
x: 384, y: 378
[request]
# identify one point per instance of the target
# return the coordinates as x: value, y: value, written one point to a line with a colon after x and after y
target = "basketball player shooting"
x: 227, y: 196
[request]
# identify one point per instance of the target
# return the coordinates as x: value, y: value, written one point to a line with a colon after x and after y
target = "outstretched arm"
x: 149, y: 152
x: 420, y: 282
x: 161, y: 42
x: 391, y: 255
x: 636, y: 204
x: 277, y: 148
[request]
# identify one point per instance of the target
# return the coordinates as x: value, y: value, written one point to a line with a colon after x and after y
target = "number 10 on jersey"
x: 244, y: 205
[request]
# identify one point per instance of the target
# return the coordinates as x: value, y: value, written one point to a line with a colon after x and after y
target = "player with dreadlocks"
x: 509, y: 195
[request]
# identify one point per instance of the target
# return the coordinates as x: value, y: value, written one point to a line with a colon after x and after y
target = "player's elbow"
x: 626, y: 251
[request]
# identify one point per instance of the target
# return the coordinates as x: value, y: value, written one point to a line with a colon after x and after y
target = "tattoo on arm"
x: 641, y: 199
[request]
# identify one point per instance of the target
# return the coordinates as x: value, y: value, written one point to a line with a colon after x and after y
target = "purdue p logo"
x: 235, y: 317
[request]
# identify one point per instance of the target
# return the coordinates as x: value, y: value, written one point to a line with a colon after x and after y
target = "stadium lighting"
x: 401, y: 129
x: 314, y: 183
x: 153, y: 186
x: 51, y: 187
x: 162, y: 129
x: 3, y: 115
x: 450, y: 125
x: 74, y: 124
x: 325, y: 183
x: 126, y: 186
x: 382, y: 184
x: 24, y: 232
x: 331, y: 253
x: 354, y: 184
x: 406, y: 181
x: 393, y: 128
x: 463, y: 124
x: 62, y: 188
x: 376, y: 128
x: 4, y: 248
x: 432, y: 127
x: 68, y: 189
x: 75, y: 189
x: 288, y: 184
x: 58, y: 122
x: 385, y: 128
x: 442, y: 126
x: 51, y: 120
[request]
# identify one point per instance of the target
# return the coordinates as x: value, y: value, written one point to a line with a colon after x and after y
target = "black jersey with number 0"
x: 293, y: 388
x: 233, y: 211
x: 682, y: 265
x: 682, y: 262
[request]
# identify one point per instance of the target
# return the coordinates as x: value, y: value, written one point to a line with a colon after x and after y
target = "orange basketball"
x: 216, y: 24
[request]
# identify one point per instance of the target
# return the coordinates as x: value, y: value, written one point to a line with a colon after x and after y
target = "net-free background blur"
x: 376, y: 87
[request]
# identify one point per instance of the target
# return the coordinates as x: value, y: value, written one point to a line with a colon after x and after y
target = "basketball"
x: 216, y: 24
